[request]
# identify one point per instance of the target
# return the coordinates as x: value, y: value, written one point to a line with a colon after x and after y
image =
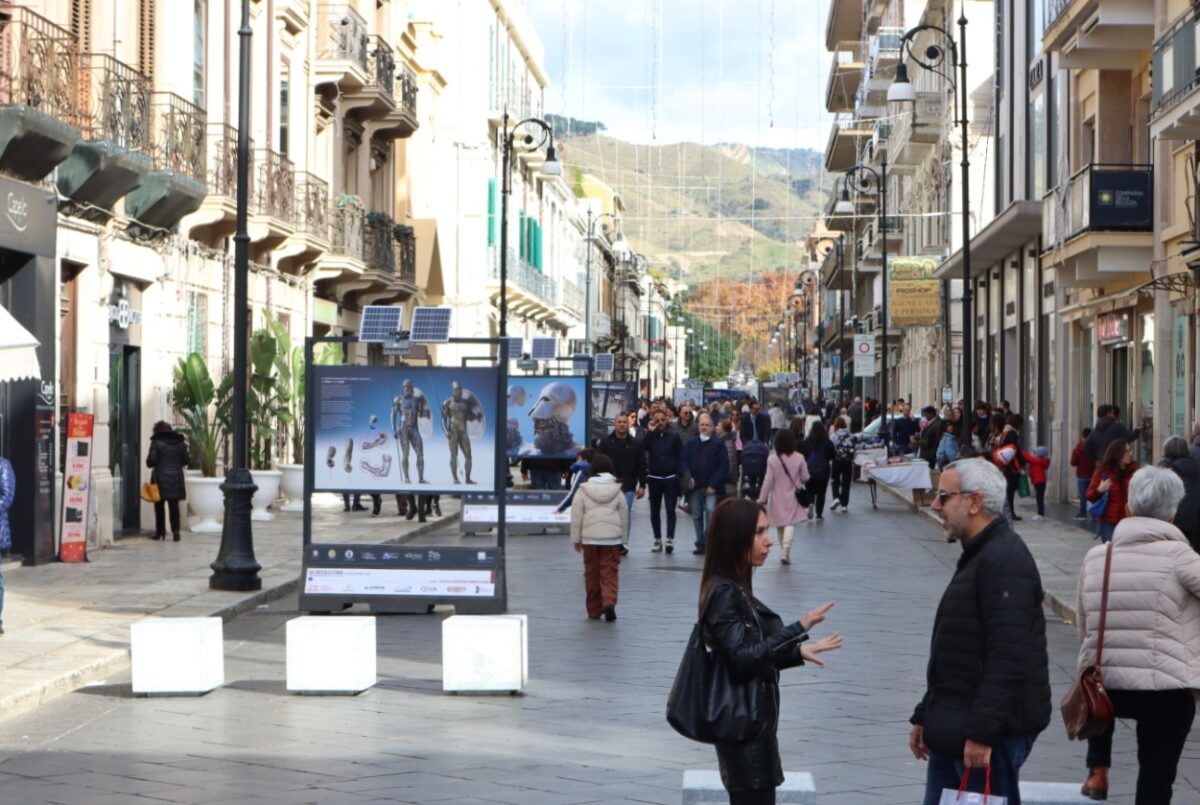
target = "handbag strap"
x: 1104, y: 602
x: 987, y: 784
x: 785, y: 471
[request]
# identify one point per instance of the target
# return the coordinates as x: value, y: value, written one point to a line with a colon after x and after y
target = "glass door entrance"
x: 125, y: 427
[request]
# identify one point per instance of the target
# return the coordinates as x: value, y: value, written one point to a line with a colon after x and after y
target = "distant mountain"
x: 699, y: 211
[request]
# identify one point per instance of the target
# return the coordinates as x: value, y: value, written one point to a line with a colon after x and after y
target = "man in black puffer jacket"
x: 987, y: 693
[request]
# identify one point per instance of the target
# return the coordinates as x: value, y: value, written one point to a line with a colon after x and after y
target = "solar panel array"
x: 431, y: 325
x: 380, y: 323
x: 544, y: 349
x: 605, y: 362
x: 516, y: 345
x: 581, y: 363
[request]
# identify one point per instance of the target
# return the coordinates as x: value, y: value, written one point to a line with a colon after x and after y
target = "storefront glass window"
x: 1145, y: 418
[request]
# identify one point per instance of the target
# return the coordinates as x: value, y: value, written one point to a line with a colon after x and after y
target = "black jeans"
x: 1011, y: 482
x: 663, y: 489
x: 1039, y: 490
x: 760, y: 796
x: 843, y: 476
x: 1164, y: 718
x: 159, y: 527
x: 817, y: 487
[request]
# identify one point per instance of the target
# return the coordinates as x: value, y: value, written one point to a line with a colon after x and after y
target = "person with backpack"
x: 843, y: 464
x: 819, y: 455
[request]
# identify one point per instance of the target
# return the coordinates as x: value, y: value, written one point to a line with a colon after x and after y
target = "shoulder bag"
x: 803, y: 496
x: 1087, y: 710
x: 706, y: 703
x: 150, y: 492
x: 1100, y: 505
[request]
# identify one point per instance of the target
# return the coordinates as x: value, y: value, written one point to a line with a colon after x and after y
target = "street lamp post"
x: 902, y: 90
x: 587, y: 299
x: 235, y: 567
x: 551, y: 167
x: 864, y: 176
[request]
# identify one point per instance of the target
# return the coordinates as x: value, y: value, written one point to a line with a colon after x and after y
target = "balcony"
x: 844, y: 23
x: 406, y: 254
x: 874, y: 237
x: 1102, y: 225
x: 882, y: 61
x: 40, y: 114
x: 177, y: 185
x: 1174, y: 112
x: 401, y: 121
x: 530, y: 292
x: 216, y: 216
x: 1101, y: 34
x: 916, y: 132
x: 846, y: 139
x: 114, y: 155
x: 310, y: 240
x: 275, y: 198
x: 845, y: 76
x: 345, y: 261
x: 343, y: 44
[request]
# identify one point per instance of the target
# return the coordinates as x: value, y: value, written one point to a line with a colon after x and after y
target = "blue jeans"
x: 1105, y: 531
x: 703, y: 505
x: 1007, y: 758
x: 545, y: 479
x: 628, y: 511
x: 1082, y: 484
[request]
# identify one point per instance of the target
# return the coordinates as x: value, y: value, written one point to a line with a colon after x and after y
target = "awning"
x: 18, y: 350
x: 1020, y: 222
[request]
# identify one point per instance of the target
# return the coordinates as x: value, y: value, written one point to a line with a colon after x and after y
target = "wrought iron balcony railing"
x: 1176, y: 63
x: 342, y: 34
x: 115, y: 101
x: 312, y: 205
x: 179, y: 136
x: 408, y: 90
x: 1101, y: 198
x: 222, y: 168
x: 381, y: 67
x: 346, y: 228
x: 39, y: 65
x: 276, y: 186
x: 406, y: 252
x: 378, y: 244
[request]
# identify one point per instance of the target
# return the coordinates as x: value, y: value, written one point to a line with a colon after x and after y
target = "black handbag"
x: 706, y: 703
x: 803, y: 496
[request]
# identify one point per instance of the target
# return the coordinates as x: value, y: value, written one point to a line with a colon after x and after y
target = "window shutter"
x: 146, y: 9
x: 81, y: 23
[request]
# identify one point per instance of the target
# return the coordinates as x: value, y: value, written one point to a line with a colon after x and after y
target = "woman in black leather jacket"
x: 753, y: 640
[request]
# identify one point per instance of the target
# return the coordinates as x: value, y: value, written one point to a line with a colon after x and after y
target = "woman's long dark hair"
x: 785, y: 442
x: 1111, y: 460
x: 727, y: 548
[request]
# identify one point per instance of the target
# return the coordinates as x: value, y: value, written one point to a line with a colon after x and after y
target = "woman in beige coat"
x: 1151, y: 661
x: 598, y: 518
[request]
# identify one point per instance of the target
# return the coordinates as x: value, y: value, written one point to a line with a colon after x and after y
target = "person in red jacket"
x: 1084, y: 467
x: 1037, y: 463
x: 1112, y: 478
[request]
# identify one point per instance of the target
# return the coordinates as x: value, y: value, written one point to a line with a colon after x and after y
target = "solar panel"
x: 431, y: 325
x: 380, y: 323
x: 516, y: 345
x: 581, y: 363
x: 544, y: 349
x: 605, y: 362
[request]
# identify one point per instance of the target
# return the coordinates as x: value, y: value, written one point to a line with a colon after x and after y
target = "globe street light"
x: 902, y: 91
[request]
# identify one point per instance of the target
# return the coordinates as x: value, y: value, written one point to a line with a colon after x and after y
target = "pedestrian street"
x: 590, y: 726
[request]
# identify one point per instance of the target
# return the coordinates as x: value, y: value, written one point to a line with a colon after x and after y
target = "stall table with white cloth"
x: 907, y: 475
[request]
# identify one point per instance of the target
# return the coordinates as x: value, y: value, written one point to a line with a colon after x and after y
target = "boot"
x: 1096, y: 786
x: 786, y: 555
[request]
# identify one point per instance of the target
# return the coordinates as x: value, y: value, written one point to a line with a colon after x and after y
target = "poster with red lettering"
x: 76, y: 488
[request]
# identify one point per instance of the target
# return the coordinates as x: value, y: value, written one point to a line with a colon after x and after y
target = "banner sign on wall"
x: 608, y: 400
x: 404, y: 429
x: 547, y: 416
x: 687, y: 394
x: 864, y: 356
x: 76, y: 488
x: 915, y: 294
x: 721, y: 395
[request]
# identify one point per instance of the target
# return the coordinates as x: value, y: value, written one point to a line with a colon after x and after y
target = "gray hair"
x: 1175, y: 447
x: 982, y: 476
x: 1155, y: 492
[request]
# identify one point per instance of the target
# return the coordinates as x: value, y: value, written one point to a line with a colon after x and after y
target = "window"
x: 198, y: 53
x: 197, y: 323
x: 1054, y: 106
x: 285, y: 108
x: 1035, y: 139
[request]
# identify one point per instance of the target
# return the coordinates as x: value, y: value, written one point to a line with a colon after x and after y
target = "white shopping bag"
x: 962, y: 796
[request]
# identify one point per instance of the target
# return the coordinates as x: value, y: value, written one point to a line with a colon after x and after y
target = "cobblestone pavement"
x: 590, y: 727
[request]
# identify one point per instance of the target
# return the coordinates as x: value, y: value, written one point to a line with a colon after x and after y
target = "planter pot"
x: 268, y: 489
x: 188, y: 511
x: 292, y: 487
x: 206, y: 502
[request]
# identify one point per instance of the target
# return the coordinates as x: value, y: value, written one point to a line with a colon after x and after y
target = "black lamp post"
x: 864, y: 176
x: 235, y: 567
x: 902, y: 90
x: 587, y: 300
x: 551, y: 167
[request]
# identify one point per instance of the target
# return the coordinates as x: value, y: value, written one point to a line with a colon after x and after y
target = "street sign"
x: 864, y: 356
x: 826, y: 378
x: 947, y: 394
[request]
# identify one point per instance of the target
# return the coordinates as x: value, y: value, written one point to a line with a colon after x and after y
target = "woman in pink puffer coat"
x: 1151, y: 659
x: 786, y: 471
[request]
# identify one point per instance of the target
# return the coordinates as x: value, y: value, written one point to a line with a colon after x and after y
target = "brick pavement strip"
x: 67, y: 625
x: 590, y: 727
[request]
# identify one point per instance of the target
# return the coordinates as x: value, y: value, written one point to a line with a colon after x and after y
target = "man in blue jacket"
x: 706, y: 466
x: 664, y: 469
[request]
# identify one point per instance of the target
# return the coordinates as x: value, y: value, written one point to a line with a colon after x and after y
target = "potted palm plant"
x: 204, y: 409
x: 266, y: 410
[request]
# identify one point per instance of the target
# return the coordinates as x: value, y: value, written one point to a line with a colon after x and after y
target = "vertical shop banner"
x: 864, y: 356
x: 914, y: 293
x: 77, y: 474
x: 547, y: 416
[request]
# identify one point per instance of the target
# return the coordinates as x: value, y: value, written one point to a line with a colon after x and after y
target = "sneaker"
x: 844, y: 510
x: 698, y: 550
x: 819, y: 517
x: 656, y: 547
x: 670, y: 546
x: 834, y: 507
x: 1015, y: 517
x: 1080, y: 518
x: 1037, y: 518
x: 624, y: 550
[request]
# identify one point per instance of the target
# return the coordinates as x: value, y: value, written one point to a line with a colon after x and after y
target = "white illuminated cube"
x: 177, y: 655
x: 333, y: 654
x: 482, y: 653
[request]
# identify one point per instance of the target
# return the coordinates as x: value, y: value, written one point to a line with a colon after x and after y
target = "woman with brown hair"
x: 753, y: 640
x: 167, y: 459
x: 1112, y: 478
x: 786, y: 472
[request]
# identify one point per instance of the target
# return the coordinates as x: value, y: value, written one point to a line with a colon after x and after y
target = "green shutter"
x: 537, y: 245
x: 491, y: 222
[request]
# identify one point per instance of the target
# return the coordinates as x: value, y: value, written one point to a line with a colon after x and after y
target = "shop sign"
x: 76, y: 488
x: 1112, y: 327
x: 1121, y: 200
x: 121, y: 315
x: 915, y: 294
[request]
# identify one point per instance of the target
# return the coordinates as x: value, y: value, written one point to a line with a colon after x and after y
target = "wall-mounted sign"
x: 76, y: 487
x: 915, y: 295
x: 1112, y: 327
x: 864, y: 356
x: 121, y: 315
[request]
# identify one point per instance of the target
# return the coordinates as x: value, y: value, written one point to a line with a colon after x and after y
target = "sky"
x: 707, y: 71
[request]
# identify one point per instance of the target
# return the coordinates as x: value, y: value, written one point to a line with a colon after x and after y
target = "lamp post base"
x: 235, y: 568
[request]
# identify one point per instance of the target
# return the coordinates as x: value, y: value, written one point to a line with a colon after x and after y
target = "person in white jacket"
x: 1151, y: 659
x: 598, y: 529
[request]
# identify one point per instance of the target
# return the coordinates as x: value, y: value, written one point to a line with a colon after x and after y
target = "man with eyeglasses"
x: 987, y: 691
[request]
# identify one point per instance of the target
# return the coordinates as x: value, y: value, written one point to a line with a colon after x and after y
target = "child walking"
x: 1037, y: 463
x: 598, y: 519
